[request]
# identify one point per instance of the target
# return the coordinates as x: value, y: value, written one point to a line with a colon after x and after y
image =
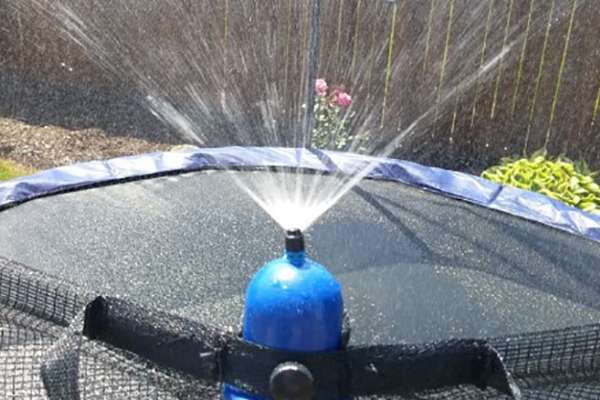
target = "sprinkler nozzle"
x: 294, y: 241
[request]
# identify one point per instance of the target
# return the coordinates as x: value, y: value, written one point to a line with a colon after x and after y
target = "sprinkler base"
x: 292, y: 303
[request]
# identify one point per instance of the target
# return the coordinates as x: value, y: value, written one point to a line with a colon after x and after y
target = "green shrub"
x: 559, y: 178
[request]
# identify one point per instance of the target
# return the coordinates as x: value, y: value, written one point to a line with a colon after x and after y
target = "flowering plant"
x: 331, y: 129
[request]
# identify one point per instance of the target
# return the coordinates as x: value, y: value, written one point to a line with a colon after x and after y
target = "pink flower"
x: 343, y: 99
x: 321, y: 87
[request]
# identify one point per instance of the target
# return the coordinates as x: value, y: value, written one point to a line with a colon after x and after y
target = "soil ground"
x: 48, y: 146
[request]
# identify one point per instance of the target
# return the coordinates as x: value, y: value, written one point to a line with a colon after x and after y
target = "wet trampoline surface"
x: 415, y: 266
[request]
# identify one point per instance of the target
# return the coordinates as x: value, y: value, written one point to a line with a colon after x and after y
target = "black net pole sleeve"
x: 212, y: 355
x: 402, y: 369
x: 171, y: 341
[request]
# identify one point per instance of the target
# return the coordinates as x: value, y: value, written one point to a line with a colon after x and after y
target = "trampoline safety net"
x: 47, y: 352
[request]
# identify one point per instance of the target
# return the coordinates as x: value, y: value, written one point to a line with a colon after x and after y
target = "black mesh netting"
x: 47, y: 352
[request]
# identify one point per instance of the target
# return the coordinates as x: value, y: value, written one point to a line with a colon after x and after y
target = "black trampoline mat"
x: 415, y: 266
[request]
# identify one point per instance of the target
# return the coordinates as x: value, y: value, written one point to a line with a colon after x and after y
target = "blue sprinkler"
x: 293, y: 303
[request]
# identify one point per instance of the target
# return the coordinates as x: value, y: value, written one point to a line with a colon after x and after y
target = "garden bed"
x: 49, y: 146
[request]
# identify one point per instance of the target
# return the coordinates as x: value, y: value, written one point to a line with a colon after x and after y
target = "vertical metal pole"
x: 313, y: 65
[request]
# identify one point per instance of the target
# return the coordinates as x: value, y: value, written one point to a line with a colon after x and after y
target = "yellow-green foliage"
x: 9, y: 170
x: 559, y: 178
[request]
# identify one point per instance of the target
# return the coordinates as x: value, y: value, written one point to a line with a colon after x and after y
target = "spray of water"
x: 237, y: 73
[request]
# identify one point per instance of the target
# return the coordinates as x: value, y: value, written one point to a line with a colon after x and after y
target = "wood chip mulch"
x: 44, y: 147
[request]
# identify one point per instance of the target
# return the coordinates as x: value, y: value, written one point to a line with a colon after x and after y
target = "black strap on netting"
x: 214, y: 356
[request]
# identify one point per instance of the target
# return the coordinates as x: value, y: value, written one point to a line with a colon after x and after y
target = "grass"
x: 10, y: 170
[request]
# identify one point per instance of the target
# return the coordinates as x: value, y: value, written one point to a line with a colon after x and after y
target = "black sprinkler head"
x: 294, y: 241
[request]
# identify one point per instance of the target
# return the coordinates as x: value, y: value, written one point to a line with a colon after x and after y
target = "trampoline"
x: 131, y: 278
x: 418, y: 265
